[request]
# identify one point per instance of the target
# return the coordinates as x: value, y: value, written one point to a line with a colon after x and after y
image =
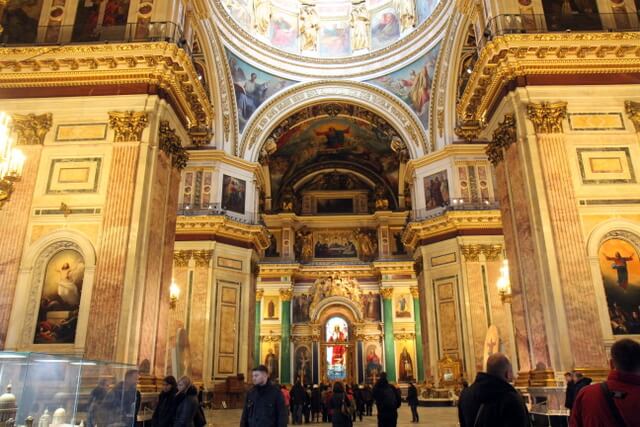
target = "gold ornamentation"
x: 3, y: 4
x: 492, y: 252
x: 404, y: 336
x: 259, y: 294
x: 415, y: 292
x: 633, y: 110
x: 202, y: 257
x: 440, y: 121
x: 128, y: 125
x: 547, y: 117
x: 271, y: 338
x: 181, y: 258
x: 386, y: 293
x: 503, y: 137
x: 286, y: 294
x: 200, y: 135
x: 226, y: 228
x: 301, y: 339
x: 468, y: 130
x: 335, y: 286
x: 170, y: 143
x: 30, y: 128
x: 472, y: 253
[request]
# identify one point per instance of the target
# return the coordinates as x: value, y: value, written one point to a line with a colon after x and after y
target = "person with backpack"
x: 412, y: 400
x: 491, y: 401
x: 388, y: 400
x: 614, y: 402
x: 188, y: 410
x: 340, y: 406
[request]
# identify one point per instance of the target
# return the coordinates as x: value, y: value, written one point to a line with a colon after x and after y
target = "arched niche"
x: 53, y: 258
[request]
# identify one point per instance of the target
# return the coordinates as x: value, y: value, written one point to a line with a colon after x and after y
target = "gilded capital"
x: 471, y: 253
x: 504, y: 135
x: 31, y: 129
x: 170, y: 143
x: 547, y: 117
x: 404, y: 336
x: 202, y: 257
x: 492, y: 252
x: 633, y: 110
x: 467, y: 130
x: 259, y: 294
x: 415, y: 292
x: 128, y: 125
x: 386, y: 293
x: 181, y: 258
x: 285, y: 294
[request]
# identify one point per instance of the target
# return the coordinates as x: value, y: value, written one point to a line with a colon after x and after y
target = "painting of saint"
x: 373, y: 363
x: 436, y: 190
x: 60, y: 299
x: 252, y: 87
x: 334, y: 39
x: 303, y: 365
x: 337, y: 335
x: 412, y: 84
x: 620, y: 269
x: 334, y: 137
x: 20, y: 21
x: 385, y: 29
x: 371, y: 303
x: 104, y: 20
x: 403, y: 309
x: 406, y: 366
x: 271, y: 362
x: 233, y: 194
x: 270, y: 305
x: 283, y: 31
x: 300, y: 307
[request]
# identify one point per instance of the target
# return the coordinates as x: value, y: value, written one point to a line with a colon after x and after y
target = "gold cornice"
x: 451, y: 221
x: 514, y: 55
x: 31, y: 129
x: 218, y: 225
x: 633, y: 110
x: 503, y: 137
x: 159, y: 63
x: 547, y: 117
x: 394, y: 267
x: 278, y: 270
x: 446, y: 152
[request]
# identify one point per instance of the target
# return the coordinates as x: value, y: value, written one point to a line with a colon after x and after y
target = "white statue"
x: 309, y: 25
x: 360, y: 23
x: 406, y: 10
x: 261, y: 16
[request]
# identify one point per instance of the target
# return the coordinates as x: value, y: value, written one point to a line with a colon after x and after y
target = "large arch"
x: 278, y: 108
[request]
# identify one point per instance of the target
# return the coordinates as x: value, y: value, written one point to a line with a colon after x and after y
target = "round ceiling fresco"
x: 329, y: 28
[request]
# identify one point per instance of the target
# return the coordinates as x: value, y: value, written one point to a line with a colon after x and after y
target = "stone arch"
x: 318, y: 312
x: 379, y: 101
x: 23, y: 318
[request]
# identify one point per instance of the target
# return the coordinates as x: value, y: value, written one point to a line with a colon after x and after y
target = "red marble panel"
x: 477, y: 308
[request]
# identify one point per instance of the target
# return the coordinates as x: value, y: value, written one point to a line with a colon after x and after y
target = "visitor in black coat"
x: 491, y: 401
x: 264, y: 405
x: 298, y: 399
x: 340, y: 405
x: 412, y: 400
x: 580, y: 382
x: 316, y: 403
x: 367, y: 396
x: 165, y: 410
x: 570, y: 394
x: 388, y: 400
x: 186, y: 404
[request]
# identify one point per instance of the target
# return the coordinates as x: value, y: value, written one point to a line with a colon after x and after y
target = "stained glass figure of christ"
x: 337, y: 335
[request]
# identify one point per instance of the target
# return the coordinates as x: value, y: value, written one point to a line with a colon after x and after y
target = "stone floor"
x: 432, y: 417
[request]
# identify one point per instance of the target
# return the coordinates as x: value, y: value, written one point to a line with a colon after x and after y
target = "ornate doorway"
x: 337, y: 349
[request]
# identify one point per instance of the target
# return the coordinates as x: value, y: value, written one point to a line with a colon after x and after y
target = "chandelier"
x: 11, y: 160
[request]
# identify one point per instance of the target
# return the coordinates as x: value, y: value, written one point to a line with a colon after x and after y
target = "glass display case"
x: 64, y: 391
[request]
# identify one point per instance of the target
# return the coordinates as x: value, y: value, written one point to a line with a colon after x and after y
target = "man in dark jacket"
x: 187, y: 407
x: 412, y: 400
x: 264, y: 405
x: 569, y: 395
x: 165, y: 410
x: 298, y: 400
x: 388, y: 401
x: 591, y: 407
x: 580, y: 382
x: 491, y: 401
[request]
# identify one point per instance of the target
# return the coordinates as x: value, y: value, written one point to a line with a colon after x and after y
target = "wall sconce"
x: 503, y: 283
x: 11, y: 159
x: 174, y: 294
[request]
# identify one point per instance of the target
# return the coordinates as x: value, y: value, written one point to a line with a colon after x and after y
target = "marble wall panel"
x: 475, y: 288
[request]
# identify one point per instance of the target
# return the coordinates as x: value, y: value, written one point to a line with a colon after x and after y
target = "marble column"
x: 256, y: 329
x: 415, y: 293
x: 285, y: 350
x: 574, y: 274
x: 389, y: 349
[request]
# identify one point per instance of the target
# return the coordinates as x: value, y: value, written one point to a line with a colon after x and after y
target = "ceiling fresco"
x: 412, y: 84
x: 329, y: 28
x: 332, y: 134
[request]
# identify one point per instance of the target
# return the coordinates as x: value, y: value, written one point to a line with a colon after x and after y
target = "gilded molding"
x: 468, y: 130
x: 503, y: 137
x: 181, y: 258
x: 472, y: 252
x: 386, y: 293
x: 415, y: 292
x: 286, y: 294
x: 128, y: 125
x: 259, y: 294
x: 202, y: 257
x: 404, y: 336
x: 170, y: 143
x: 220, y: 225
x: 271, y: 338
x: 633, y: 110
x: 547, y: 117
x: 507, y: 57
x: 31, y: 129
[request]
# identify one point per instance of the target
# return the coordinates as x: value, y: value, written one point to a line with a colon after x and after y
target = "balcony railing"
x: 554, y: 22
x: 454, y: 205
x: 56, y: 35
x: 216, y: 209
